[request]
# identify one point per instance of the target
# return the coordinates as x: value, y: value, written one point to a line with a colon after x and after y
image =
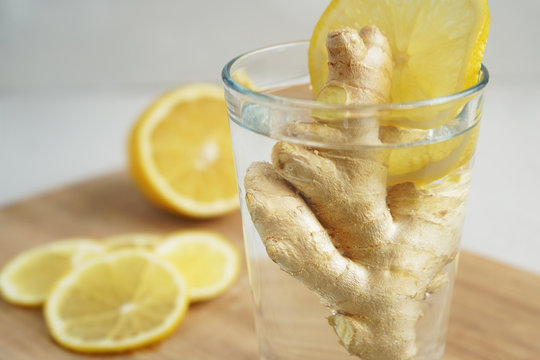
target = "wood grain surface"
x: 495, y: 311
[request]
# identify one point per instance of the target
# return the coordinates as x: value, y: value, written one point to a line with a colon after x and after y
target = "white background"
x: 75, y: 74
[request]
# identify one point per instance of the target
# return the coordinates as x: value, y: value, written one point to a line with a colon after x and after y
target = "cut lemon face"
x: 208, y: 262
x: 27, y: 279
x: 180, y: 152
x: 124, y: 300
x: 437, y: 46
x: 131, y: 241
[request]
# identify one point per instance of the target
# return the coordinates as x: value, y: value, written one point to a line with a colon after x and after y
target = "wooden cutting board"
x: 495, y: 312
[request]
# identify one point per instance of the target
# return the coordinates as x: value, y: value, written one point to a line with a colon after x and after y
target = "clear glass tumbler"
x: 422, y: 160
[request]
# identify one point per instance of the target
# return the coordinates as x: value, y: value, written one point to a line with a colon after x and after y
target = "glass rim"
x: 275, y: 100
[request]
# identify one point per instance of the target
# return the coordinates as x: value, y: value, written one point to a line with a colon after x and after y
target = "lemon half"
x: 180, y: 152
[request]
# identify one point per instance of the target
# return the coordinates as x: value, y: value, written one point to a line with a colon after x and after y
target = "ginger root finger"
x: 305, y: 252
x: 360, y: 66
x: 348, y: 194
x: 364, y: 339
x: 429, y: 219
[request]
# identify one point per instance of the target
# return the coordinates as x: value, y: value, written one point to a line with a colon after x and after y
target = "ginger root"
x: 328, y: 219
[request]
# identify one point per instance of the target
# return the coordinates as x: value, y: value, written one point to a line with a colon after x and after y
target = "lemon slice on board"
x: 437, y: 46
x: 131, y: 241
x: 180, y: 152
x: 27, y: 279
x: 121, y: 301
x: 209, y: 263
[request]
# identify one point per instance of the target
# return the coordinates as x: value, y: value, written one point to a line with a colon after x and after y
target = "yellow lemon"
x: 180, y: 152
x: 121, y: 301
x: 130, y: 241
x: 437, y: 46
x: 437, y: 49
x: 209, y: 263
x: 28, y: 277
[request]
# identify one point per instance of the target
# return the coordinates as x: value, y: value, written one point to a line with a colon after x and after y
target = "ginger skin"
x: 328, y: 219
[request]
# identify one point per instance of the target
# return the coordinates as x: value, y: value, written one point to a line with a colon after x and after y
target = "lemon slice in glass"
x: 437, y: 46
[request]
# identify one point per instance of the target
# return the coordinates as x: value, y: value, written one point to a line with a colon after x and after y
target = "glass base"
x: 291, y: 322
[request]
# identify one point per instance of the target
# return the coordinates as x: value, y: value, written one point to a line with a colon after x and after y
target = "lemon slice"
x: 27, y: 279
x: 423, y: 164
x: 180, y: 152
x: 437, y: 46
x: 124, y: 300
x: 132, y: 241
x: 208, y: 262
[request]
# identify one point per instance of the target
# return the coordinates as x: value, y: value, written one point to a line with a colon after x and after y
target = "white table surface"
x: 74, y: 76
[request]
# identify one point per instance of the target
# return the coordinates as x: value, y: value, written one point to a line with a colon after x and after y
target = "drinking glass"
x: 268, y: 94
